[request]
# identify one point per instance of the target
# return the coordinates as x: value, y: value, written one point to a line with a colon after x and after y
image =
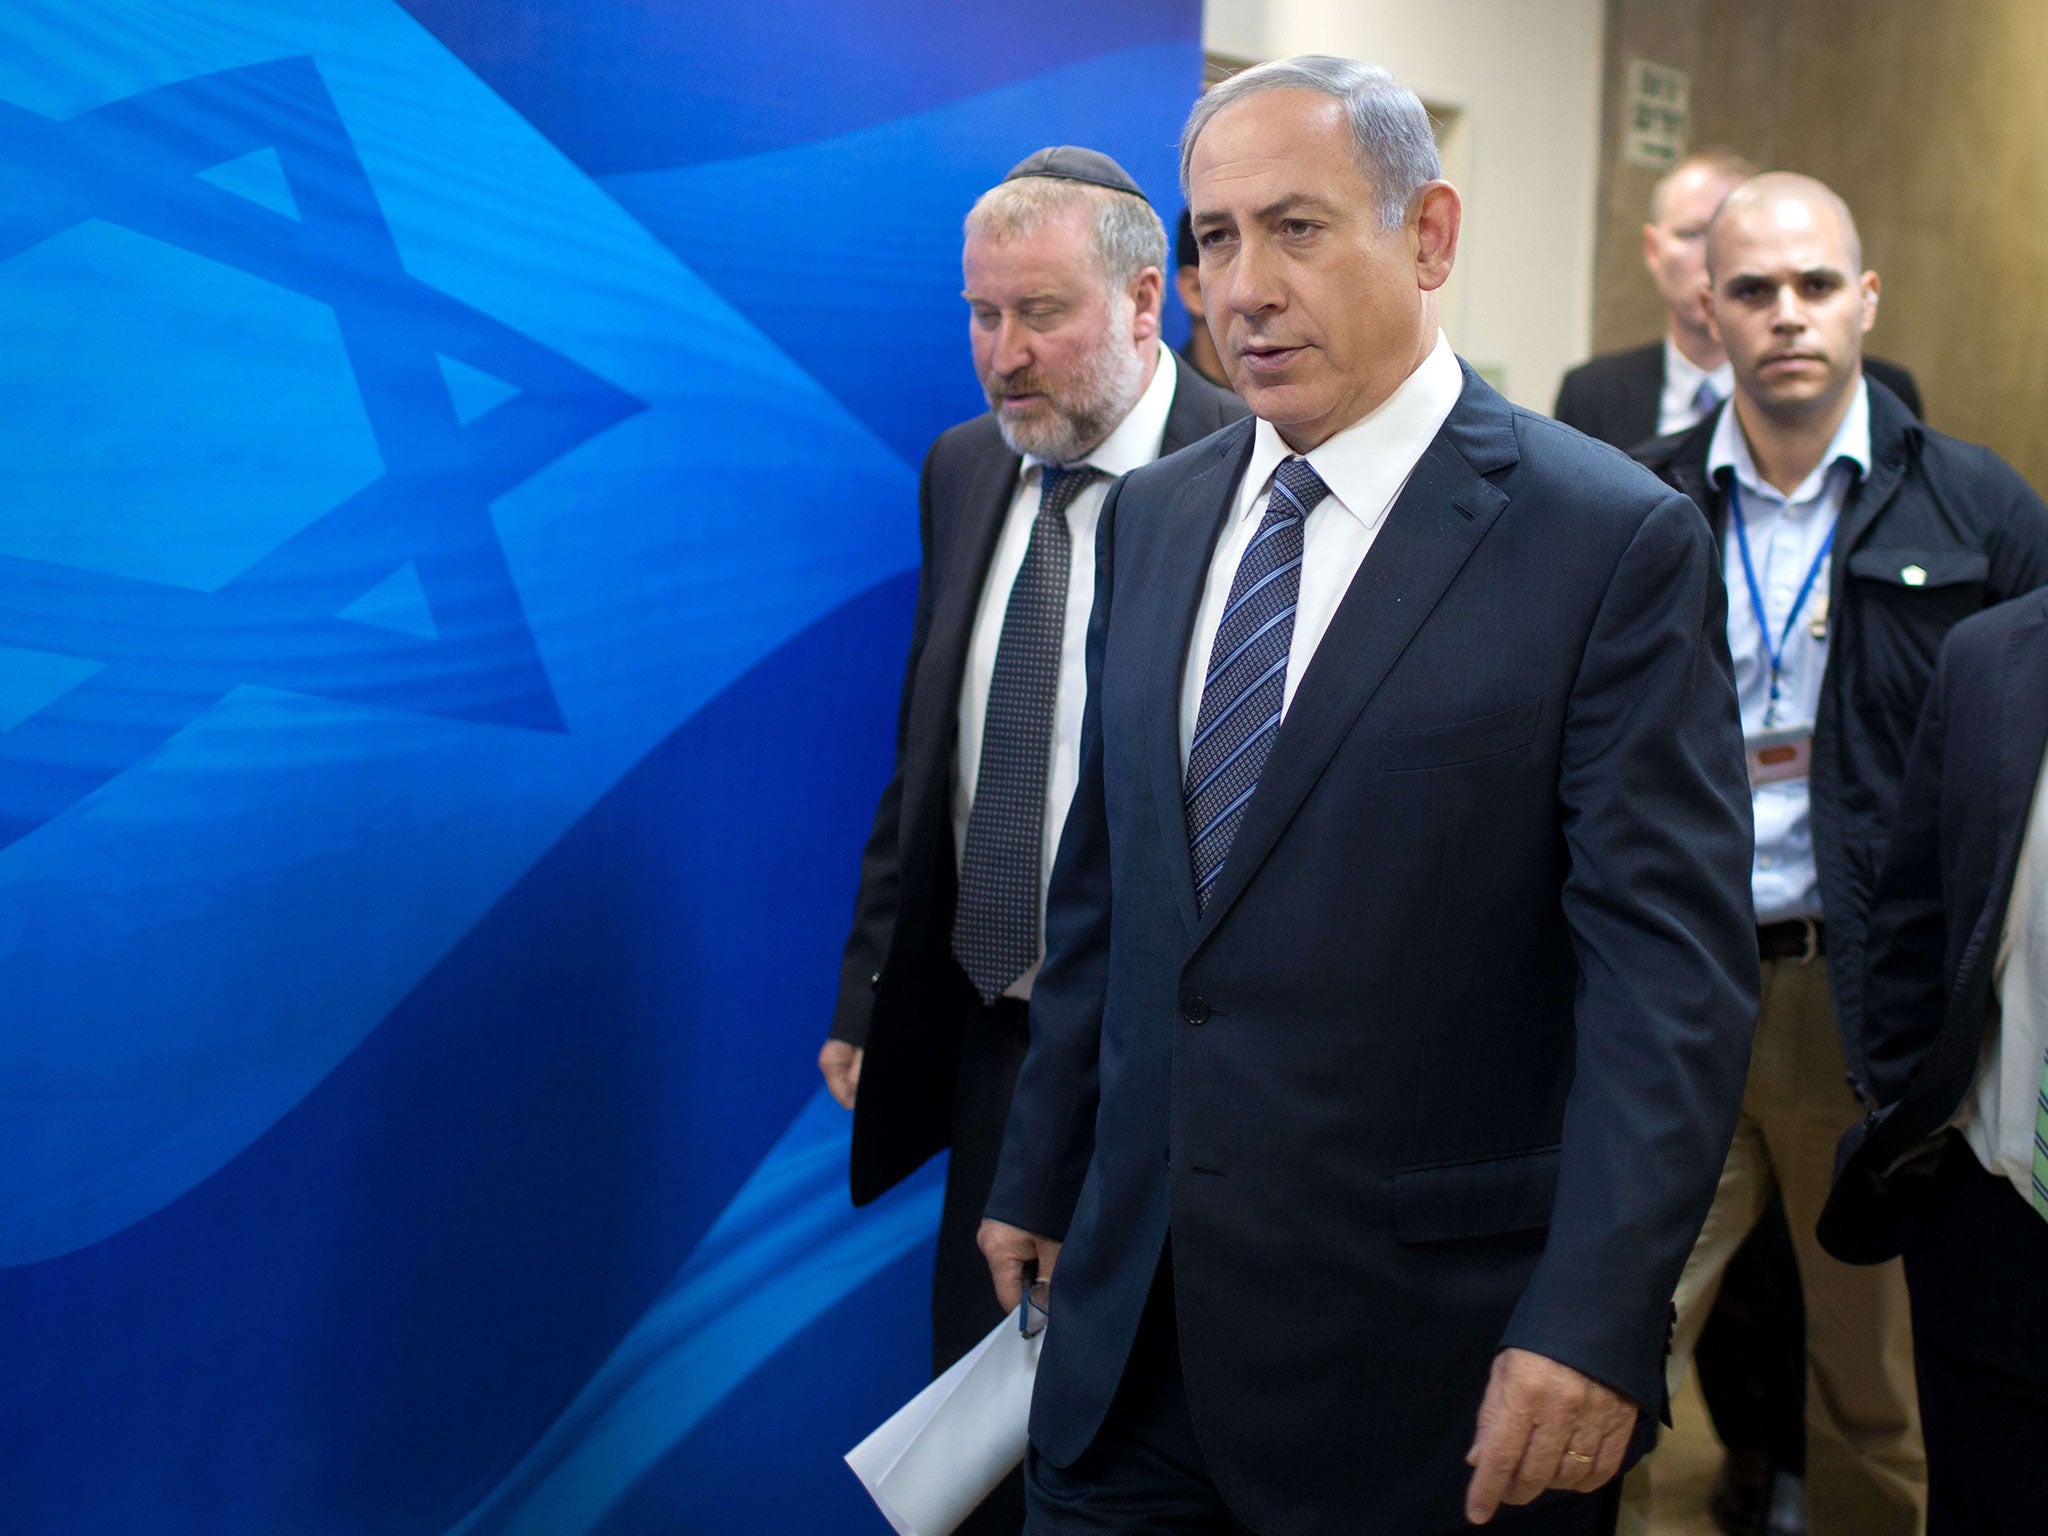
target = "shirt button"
x: 1765, y: 861
x: 1195, y: 1010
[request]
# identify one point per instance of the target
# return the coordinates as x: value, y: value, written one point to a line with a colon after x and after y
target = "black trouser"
x: 1977, y: 1275
x: 1145, y: 1474
x: 964, y: 1305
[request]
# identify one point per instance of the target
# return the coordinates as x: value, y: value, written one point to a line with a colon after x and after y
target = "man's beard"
x: 1081, y: 417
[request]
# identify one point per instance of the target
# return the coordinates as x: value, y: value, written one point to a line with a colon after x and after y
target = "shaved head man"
x: 1853, y: 537
x: 1789, y: 299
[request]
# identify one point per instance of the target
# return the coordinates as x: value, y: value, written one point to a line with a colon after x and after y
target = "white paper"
x: 940, y: 1454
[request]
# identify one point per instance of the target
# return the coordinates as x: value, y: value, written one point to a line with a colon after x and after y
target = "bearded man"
x: 1064, y: 264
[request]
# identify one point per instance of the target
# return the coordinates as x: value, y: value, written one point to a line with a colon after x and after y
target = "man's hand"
x: 1015, y: 1258
x: 1543, y: 1425
x: 840, y: 1063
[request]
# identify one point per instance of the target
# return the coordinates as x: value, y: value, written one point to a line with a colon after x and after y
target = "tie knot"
x: 1706, y: 397
x: 1059, y: 484
x: 1296, y: 489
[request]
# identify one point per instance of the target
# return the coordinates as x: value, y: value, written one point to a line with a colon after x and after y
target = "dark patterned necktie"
x: 995, y: 925
x: 1247, y: 679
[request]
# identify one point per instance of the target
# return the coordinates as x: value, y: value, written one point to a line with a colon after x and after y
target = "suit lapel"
x: 2022, y: 726
x: 1189, y: 418
x: 1201, y: 508
x: 1431, y: 530
x: 2022, y: 729
x: 982, y: 511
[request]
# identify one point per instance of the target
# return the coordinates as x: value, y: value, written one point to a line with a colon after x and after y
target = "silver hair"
x: 1390, y: 135
x: 1128, y: 236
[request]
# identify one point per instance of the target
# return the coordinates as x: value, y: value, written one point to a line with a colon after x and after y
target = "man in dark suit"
x: 1951, y: 1167
x: 1627, y: 398
x: 1063, y: 271
x: 1399, y: 956
x: 1853, y: 537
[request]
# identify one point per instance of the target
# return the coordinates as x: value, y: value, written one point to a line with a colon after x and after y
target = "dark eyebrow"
x: 1834, y: 273
x: 1297, y: 202
x: 1294, y: 202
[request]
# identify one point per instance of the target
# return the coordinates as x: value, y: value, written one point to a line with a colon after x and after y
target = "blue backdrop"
x: 457, y: 529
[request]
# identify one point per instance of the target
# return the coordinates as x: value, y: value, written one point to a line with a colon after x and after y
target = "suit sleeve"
x: 1906, y: 955
x: 875, y: 903
x: 1656, y: 816
x: 1051, y: 1132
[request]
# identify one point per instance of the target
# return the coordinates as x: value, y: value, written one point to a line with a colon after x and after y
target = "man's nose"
x: 1012, y: 351
x: 1252, y: 283
x: 1788, y: 316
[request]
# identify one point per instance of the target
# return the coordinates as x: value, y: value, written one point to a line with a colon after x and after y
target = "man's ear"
x: 1438, y: 214
x: 1706, y: 304
x: 1650, y: 251
x: 1189, y: 281
x: 1869, y: 284
x: 1147, y: 292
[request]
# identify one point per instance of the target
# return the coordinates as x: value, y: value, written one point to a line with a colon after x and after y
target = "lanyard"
x: 1774, y: 653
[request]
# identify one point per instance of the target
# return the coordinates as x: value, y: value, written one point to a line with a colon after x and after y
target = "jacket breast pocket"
x: 1466, y: 741
x: 1484, y: 1197
x: 1922, y: 580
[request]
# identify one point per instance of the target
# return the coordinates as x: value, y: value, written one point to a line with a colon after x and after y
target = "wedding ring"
x: 1575, y: 1456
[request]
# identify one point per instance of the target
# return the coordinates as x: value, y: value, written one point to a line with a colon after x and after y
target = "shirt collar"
x: 1367, y: 463
x: 1850, y: 444
x: 1136, y: 440
x: 1682, y: 375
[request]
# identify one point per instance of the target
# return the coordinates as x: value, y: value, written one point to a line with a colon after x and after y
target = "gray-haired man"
x: 1063, y: 264
x: 1399, y: 964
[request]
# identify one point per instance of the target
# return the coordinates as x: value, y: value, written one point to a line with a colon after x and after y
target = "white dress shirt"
x: 1785, y: 534
x: 1365, y: 466
x: 1135, y: 442
x: 1678, y: 406
x: 1998, y: 1117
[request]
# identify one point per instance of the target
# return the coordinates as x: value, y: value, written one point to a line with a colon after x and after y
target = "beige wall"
x: 1522, y: 80
x: 1931, y: 118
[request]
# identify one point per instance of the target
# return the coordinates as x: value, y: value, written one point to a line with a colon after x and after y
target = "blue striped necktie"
x: 995, y: 923
x: 1246, y: 684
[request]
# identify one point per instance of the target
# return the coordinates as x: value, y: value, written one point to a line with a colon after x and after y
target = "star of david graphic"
x: 167, y: 653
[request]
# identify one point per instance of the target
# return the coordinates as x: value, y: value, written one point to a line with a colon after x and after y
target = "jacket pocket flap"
x: 1444, y: 1201
x: 1921, y: 567
x: 1464, y: 742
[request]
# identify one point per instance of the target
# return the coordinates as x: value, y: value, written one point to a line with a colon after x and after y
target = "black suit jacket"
x: 1452, y: 1058
x: 1615, y: 396
x: 1938, y: 530
x: 1939, y: 912
x: 902, y: 995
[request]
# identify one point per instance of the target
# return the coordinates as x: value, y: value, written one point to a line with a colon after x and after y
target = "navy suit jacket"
x: 1938, y: 915
x: 1452, y: 1059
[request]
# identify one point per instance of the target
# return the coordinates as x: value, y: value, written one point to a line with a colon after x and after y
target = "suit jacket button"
x: 1195, y: 1010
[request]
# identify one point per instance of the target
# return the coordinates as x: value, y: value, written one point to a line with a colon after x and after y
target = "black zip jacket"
x: 1938, y: 530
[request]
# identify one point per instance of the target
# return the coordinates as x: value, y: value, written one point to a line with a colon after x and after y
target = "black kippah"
x: 1068, y: 162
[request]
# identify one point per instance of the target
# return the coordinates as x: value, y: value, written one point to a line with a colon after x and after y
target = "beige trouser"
x: 1866, y: 1471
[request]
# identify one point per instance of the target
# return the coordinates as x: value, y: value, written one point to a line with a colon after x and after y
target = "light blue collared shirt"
x: 1785, y: 534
